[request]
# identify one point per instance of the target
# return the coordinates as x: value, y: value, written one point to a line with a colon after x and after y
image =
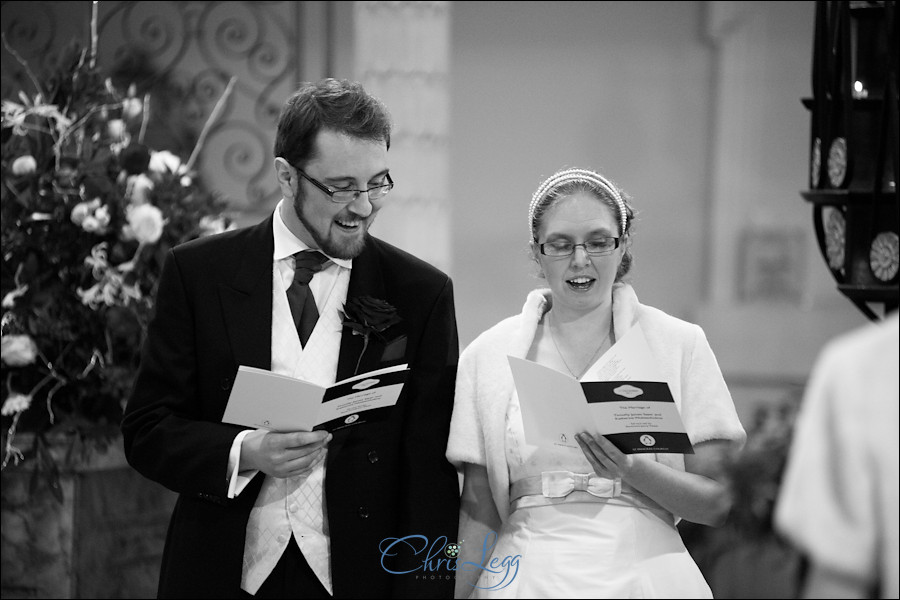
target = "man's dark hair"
x: 336, y: 105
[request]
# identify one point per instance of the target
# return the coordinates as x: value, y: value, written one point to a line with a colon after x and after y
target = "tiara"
x: 570, y: 175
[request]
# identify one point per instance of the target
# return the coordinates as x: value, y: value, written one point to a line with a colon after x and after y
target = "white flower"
x: 102, y: 216
x: 132, y: 107
x: 116, y: 129
x: 97, y: 261
x: 91, y: 224
x: 83, y: 210
x: 138, y: 188
x: 18, y: 350
x: 110, y: 288
x: 116, y: 147
x: 24, y: 165
x: 92, y: 296
x: 9, y: 300
x: 164, y: 162
x: 210, y: 225
x: 131, y: 292
x: 186, y: 181
x: 15, y: 403
x: 145, y: 224
x: 14, y: 116
x: 80, y: 212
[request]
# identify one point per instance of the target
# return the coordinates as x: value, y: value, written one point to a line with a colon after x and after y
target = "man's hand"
x: 283, y: 454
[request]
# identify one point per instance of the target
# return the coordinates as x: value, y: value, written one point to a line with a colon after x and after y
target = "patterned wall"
x: 183, y: 55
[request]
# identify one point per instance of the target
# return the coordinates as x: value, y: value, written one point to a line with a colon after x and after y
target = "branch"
x: 145, y: 118
x: 220, y: 105
x: 24, y: 64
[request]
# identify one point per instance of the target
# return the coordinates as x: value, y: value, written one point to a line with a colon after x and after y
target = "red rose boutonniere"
x: 368, y: 316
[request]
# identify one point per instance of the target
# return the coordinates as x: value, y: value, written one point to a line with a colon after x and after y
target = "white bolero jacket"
x: 484, y: 384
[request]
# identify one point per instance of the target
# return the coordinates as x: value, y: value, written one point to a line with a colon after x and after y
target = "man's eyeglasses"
x: 594, y: 247
x: 345, y: 196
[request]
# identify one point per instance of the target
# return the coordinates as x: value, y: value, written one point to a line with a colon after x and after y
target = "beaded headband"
x: 568, y: 176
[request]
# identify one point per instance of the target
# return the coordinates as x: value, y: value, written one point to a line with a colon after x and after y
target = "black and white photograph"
x: 627, y: 326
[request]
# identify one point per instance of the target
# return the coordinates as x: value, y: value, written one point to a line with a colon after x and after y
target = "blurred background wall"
x: 694, y: 108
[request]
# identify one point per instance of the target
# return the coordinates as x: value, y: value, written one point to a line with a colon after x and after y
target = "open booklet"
x: 622, y: 397
x: 267, y: 400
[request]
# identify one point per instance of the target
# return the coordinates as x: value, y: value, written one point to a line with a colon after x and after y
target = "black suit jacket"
x: 383, y: 480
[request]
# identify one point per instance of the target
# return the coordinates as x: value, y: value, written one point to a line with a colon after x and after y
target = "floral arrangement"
x: 88, y: 214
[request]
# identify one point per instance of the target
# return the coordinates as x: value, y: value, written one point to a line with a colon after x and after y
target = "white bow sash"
x: 558, y: 484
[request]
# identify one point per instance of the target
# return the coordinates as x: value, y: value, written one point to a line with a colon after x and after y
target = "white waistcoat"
x: 296, y: 506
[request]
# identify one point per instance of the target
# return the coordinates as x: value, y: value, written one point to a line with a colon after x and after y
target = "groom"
x: 301, y: 514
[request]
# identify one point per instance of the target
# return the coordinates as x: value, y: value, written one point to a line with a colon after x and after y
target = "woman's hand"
x: 607, y: 460
x: 697, y: 494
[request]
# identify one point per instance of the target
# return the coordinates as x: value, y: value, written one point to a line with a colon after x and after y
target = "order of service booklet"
x: 622, y: 397
x: 266, y: 400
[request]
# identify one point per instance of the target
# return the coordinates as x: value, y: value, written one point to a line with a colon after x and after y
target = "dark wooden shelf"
x: 862, y: 104
x: 871, y: 293
x: 849, y: 197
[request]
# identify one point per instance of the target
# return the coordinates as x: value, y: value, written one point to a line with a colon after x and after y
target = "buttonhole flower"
x: 368, y: 316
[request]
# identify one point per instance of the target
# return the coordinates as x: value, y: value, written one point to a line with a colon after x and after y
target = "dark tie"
x: 300, y: 298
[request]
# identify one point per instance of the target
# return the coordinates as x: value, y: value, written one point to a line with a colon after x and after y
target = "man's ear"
x: 286, y: 175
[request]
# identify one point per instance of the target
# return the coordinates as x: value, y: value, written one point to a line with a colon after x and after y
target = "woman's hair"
x: 336, y: 105
x: 566, y: 182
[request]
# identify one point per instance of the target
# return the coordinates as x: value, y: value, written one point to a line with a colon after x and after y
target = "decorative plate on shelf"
x: 835, y: 238
x: 815, y: 163
x: 884, y: 255
x: 837, y: 162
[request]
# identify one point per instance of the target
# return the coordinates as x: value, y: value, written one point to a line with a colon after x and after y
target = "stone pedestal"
x: 104, y: 540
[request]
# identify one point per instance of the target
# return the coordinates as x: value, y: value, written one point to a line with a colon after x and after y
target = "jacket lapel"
x: 365, y: 280
x: 247, y: 300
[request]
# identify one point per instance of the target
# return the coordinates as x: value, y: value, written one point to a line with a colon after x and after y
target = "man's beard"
x: 344, y: 251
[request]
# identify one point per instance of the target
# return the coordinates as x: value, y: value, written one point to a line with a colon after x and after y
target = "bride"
x: 614, y: 538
